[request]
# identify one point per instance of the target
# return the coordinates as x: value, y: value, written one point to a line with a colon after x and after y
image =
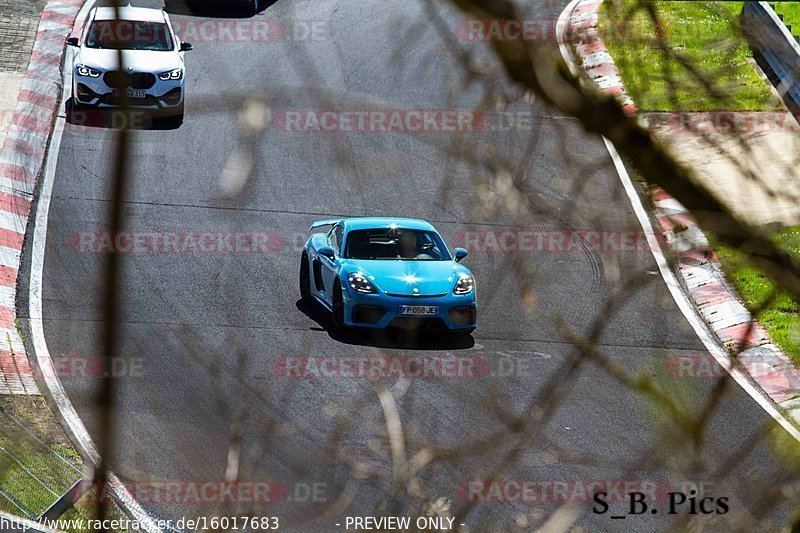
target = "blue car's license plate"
x: 419, y: 310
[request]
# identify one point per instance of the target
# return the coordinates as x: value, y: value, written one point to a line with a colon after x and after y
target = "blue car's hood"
x: 402, y: 277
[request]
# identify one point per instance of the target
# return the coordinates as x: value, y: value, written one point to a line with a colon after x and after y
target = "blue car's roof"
x: 378, y: 222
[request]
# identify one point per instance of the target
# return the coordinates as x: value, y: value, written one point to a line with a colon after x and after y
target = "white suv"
x: 152, y: 58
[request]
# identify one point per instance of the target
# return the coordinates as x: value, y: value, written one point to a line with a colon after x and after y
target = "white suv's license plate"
x: 419, y: 310
x: 130, y: 93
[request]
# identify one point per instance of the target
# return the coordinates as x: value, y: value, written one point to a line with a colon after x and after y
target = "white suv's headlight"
x: 174, y: 74
x: 87, y: 72
x: 464, y: 285
x: 359, y: 283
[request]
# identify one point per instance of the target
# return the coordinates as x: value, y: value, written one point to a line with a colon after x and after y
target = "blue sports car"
x: 380, y: 272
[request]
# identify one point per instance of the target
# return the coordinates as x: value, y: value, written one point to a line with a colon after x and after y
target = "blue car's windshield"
x: 394, y: 244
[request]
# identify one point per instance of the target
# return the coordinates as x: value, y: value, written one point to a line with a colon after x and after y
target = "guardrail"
x: 35, y: 481
x: 775, y: 50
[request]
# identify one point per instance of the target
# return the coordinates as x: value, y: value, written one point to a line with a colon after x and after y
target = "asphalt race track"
x: 205, y: 333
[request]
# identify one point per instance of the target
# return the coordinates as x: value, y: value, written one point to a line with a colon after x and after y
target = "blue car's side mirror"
x: 460, y: 253
x: 327, y: 251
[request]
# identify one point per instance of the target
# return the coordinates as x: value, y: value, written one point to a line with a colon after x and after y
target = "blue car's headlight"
x: 464, y: 285
x: 174, y: 74
x: 87, y: 72
x: 360, y: 284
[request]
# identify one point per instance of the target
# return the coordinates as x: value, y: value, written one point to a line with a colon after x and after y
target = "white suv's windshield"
x: 394, y: 244
x: 129, y: 35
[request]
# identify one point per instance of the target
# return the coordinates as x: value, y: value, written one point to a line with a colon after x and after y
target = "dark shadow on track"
x: 393, y: 338
x: 215, y: 9
x: 111, y: 118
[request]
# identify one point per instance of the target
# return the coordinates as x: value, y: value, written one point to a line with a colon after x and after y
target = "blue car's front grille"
x: 416, y: 295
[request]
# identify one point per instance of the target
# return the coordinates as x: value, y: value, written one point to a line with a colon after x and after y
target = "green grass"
x: 23, y: 461
x: 791, y: 15
x: 706, y: 34
x: 27, y: 457
x: 30, y: 445
x: 781, y: 317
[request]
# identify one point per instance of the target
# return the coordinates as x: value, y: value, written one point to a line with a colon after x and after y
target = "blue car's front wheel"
x: 338, y: 305
x: 305, y: 279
